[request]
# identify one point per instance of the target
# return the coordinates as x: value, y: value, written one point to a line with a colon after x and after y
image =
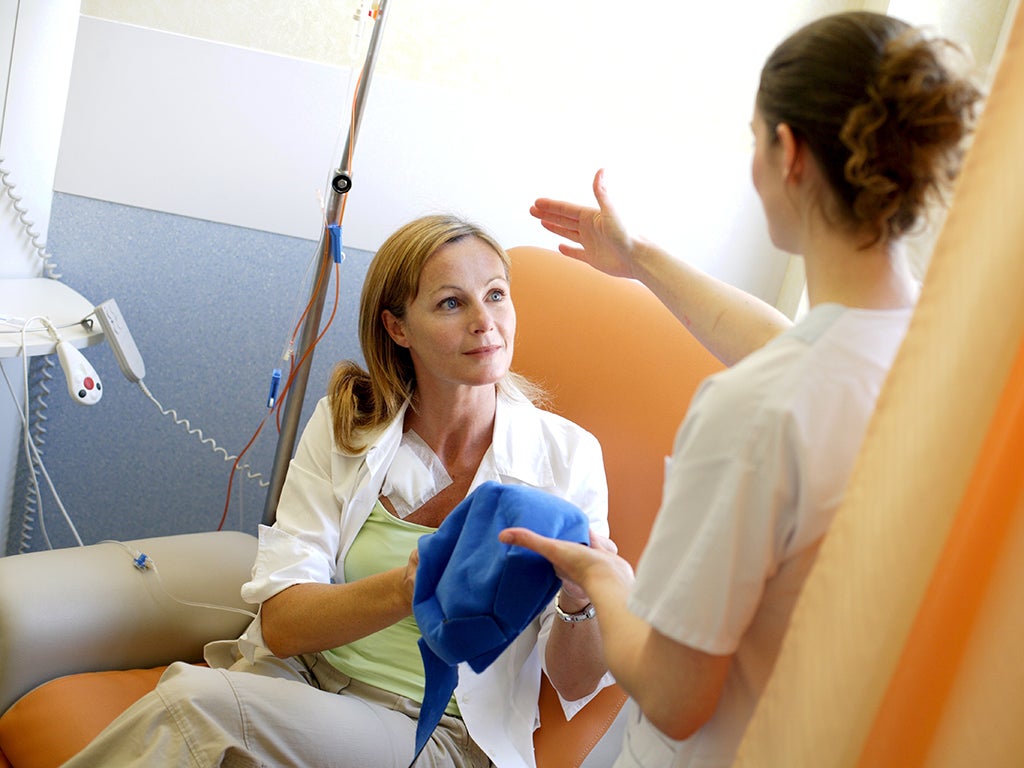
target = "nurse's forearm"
x: 728, y: 321
x: 676, y: 687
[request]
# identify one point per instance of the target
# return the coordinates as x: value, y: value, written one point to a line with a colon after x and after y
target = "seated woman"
x: 329, y: 672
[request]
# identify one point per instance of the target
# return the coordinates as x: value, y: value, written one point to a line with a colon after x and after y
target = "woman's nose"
x: 482, y: 320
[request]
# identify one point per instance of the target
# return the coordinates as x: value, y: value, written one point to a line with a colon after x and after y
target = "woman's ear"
x: 394, y: 327
x: 792, y: 153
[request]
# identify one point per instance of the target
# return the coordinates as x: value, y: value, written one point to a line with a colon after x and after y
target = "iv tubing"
x: 293, y: 405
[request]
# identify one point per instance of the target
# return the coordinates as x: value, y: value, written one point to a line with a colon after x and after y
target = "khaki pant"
x: 276, y: 712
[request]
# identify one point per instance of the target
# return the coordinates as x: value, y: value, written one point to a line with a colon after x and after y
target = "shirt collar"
x: 384, y: 445
x: 517, y: 449
x: 518, y: 444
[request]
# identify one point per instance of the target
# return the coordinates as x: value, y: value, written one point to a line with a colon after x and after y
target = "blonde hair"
x: 365, y: 399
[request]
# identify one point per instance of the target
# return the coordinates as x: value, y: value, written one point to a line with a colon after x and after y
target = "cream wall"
x: 560, y: 89
x: 482, y: 111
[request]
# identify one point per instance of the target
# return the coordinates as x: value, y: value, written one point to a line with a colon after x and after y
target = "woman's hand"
x: 409, y: 577
x: 604, y: 242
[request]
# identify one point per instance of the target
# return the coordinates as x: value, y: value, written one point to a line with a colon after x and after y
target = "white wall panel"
x: 200, y: 129
x: 228, y: 134
x: 37, y: 38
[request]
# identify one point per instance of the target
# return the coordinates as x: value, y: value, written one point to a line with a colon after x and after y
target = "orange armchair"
x: 614, y: 360
x: 83, y: 633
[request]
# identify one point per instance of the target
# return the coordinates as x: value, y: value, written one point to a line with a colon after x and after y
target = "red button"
x: 89, y: 383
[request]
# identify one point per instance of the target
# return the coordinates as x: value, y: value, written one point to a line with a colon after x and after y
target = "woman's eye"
x: 497, y: 294
x: 450, y: 303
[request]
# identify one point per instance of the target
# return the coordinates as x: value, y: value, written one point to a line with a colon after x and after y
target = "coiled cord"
x: 27, y: 225
x: 33, y: 459
x: 40, y: 376
x: 207, y: 441
x: 33, y: 501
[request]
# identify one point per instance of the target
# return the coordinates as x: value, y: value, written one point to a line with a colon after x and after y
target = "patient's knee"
x: 189, y: 687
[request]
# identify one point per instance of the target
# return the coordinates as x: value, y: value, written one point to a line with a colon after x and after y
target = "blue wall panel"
x: 211, y: 307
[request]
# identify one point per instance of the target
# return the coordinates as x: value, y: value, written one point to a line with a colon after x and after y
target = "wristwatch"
x: 587, y: 613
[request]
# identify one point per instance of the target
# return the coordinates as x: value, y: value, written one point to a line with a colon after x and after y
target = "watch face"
x: 587, y: 613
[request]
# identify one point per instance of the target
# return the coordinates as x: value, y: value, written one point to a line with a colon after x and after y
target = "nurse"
x: 859, y: 123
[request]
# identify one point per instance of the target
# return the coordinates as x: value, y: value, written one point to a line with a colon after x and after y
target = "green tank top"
x: 389, y: 658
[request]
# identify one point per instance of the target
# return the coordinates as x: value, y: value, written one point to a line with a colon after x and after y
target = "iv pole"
x: 341, y: 182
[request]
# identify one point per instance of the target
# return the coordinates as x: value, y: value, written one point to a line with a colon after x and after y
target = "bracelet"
x: 587, y: 613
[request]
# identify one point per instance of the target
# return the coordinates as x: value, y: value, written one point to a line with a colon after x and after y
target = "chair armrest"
x: 90, y: 608
x: 559, y: 743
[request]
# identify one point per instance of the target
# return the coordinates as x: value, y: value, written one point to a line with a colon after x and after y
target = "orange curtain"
x: 912, y: 711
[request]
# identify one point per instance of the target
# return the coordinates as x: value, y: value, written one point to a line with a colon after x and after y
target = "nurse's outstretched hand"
x: 597, y: 570
x: 602, y: 239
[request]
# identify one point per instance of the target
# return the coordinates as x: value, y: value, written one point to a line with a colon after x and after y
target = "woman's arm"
x: 729, y: 322
x: 574, y: 656
x: 303, y: 607
x: 310, y: 617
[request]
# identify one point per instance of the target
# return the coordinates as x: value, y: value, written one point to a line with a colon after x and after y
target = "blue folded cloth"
x: 474, y: 595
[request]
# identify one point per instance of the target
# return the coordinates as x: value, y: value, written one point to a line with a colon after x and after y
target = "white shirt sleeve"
x: 302, y: 546
x: 586, y: 487
x: 716, y: 539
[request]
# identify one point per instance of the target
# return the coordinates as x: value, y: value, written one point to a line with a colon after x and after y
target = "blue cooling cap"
x: 474, y: 595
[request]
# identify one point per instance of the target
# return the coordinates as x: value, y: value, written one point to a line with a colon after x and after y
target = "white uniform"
x: 328, y: 496
x: 270, y: 715
x: 758, y: 469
